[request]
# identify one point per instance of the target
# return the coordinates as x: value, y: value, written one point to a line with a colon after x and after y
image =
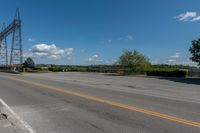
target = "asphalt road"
x: 98, y: 103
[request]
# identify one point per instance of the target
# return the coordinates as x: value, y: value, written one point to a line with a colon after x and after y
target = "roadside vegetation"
x: 195, y: 51
x: 133, y: 62
x: 129, y: 63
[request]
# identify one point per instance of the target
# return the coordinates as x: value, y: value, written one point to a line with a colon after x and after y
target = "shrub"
x: 37, y: 68
x: 55, y: 69
x: 134, y: 62
x: 29, y: 63
x: 120, y: 72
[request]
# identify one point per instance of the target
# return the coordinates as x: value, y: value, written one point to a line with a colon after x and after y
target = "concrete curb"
x: 17, y: 123
x: 10, y: 71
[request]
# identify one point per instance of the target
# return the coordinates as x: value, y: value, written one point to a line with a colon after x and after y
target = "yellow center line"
x: 113, y: 103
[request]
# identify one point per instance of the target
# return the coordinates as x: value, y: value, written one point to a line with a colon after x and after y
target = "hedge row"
x: 165, y: 73
x: 55, y: 69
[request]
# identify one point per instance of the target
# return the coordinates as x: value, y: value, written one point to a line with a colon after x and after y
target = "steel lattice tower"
x: 16, y: 49
x: 16, y: 55
x: 4, y: 49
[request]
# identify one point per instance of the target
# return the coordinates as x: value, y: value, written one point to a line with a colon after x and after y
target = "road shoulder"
x: 10, y: 122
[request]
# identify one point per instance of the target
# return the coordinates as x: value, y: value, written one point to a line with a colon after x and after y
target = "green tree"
x: 195, y: 51
x: 134, y: 61
x: 29, y: 63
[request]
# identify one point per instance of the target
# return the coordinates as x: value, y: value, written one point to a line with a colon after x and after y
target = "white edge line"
x: 25, y: 124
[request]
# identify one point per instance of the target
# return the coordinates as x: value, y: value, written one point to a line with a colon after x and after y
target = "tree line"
x: 130, y: 62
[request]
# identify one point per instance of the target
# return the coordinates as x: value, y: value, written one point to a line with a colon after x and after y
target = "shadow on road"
x: 195, y: 81
x: 187, y: 80
x: 111, y: 74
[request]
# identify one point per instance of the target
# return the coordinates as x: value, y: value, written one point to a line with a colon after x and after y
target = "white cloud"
x: 69, y: 57
x: 94, y: 60
x: 126, y: 38
x: 69, y: 51
x: 95, y: 56
x: 188, y: 16
x: 174, y: 60
x: 181, y: 62
x: 171, y: 60
x: 155, y: 61
x: 30, y: 40
x: 27, y: 54
x: 90, y: 59
x: 177, y: 55
x: 188, y: 62
x: 99, y: 60
x: 49, y: 51
x: 196, y: 18
x: 129, y: 38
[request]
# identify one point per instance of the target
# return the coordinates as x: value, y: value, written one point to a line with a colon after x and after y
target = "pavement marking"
x: 61, y: 80
x: 113, y: 103
x: 25, y: 124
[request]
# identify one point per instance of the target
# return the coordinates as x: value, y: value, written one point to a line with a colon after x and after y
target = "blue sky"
x: 97, y: 31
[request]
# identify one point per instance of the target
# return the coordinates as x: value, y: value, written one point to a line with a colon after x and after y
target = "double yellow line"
x: 113, y: 103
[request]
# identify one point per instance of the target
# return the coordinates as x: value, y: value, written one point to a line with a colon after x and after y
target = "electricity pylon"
x: 16, y: 54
